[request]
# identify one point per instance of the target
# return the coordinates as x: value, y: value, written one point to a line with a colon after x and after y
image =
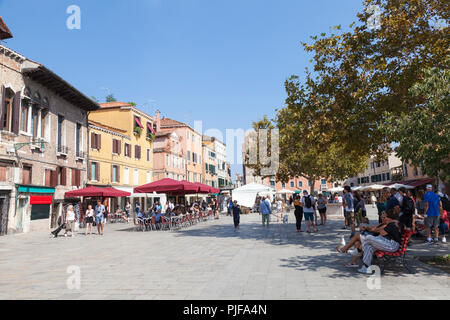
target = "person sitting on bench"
x: 388, y: 240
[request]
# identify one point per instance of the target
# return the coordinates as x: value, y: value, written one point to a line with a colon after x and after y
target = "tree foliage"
x: 424, y: 131
x: 110, y: 98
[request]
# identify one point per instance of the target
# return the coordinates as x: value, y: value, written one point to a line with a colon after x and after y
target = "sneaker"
x: 429, y: 241
x: 365, y: 270
x: 444, y: 240
x: 435, y: 240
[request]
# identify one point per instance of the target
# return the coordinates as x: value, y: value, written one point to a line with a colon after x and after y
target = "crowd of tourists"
x: 399, y: 212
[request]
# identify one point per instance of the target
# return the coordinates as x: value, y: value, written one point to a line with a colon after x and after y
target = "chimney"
x: 158, y: 121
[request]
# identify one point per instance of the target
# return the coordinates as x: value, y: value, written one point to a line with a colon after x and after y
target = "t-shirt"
x: 305, y: 209
x: 393, y: 233
x: 70, y: 215
x: 99, y: 210
x: 348, y: 198
x: 264, y: 207
x: 392, y: 202
x: 321, y: 203
x: 433, y: 201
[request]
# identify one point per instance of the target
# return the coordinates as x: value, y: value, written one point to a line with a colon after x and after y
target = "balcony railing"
x: 62, y: 149
x: 80, y: 154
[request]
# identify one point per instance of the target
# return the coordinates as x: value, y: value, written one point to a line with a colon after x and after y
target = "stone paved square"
x: 206, y: 261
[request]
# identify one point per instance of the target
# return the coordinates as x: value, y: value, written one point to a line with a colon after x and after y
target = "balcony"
x: 62, y: 150
x: 79, y: 154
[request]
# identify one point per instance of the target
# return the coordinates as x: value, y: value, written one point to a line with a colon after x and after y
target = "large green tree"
x: 424, y: 131
x: 366, y: 74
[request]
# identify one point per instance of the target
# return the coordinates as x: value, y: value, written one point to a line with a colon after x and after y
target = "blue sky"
x: 223, y: 62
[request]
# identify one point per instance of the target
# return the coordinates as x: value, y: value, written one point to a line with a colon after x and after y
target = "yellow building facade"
x: 121, y: 141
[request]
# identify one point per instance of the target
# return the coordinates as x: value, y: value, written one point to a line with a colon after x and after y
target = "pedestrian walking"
x: 298, y: 213
x: 433, y: 211
x: 236, y: 209
x: 100, y: 217
x: 322, y: 207
x: 308, y: 202
x: 61, y: 225
x: 70, y: 221
x: 349, y: 211
x: 265, y: 211
x: 89, y: 219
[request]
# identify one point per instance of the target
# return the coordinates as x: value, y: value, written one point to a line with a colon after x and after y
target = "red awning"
x: 41, y: 200
x: 138, y: 122
x: 418, y: 183
x: 150, y: 127
x: 203, y: 188
x: 169, y: 186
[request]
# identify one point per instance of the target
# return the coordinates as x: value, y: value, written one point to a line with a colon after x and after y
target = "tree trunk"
x: 312, y: 182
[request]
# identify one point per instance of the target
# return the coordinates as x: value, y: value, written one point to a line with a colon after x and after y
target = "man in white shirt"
x: 308, y: 202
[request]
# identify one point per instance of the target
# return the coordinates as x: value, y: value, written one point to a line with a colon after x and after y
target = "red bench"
x: 385, y: 257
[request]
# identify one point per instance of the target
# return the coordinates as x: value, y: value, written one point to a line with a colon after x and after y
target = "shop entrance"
x: 40, y: 211
x: 4, y: 210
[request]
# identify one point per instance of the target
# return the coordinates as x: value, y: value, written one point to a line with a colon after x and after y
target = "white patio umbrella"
x: 337, y: 189
x: 375, y: 187
x: 285, y: 191
x: 398, y: 186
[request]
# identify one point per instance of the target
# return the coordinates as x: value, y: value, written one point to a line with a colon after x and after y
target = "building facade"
x: 210, y: 172
x: 121, y: 149
x: 188, y: 146
x: 43, y: 143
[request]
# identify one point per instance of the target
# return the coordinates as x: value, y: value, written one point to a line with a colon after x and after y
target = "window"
x: 115, y: 174
x: 372, y: 165
x: 148, y: 155
x: 136, y: 177
x: 188, y: 135
x: 167, y: 160
x: 292, y: 184
x: 3, y: 171
x: 359, y: 181
x: 62, y: 176
x: 283, y: 185
x: 388, y: 176
x: 43, y: 121
x: 309, y: 183
x: 189, y: 156
x: 35, y: 122
x: 27, y: 175
x: 127, y: 150
x: 96, y: 141
x: 76, y: 178
x: 126, y: 176
x: 378, y: 164
x: 95, y: 170
x: 24, y: 118
x: 78, y: 139
x: 300, y: 184
x: 323, y: 182
x: 137, y: 152
x: 60, y: 131
x: 384, y: 176
x: 406, y: 170
x: 7, y: 114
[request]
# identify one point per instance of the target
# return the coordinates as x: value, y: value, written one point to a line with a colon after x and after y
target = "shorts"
x: 349, y: 217
x: 308, y: 216
x: 69, y: 226
x: 99, y: 220
x: 322, y: 211
x: 89, y: 219
x: 432, y: 222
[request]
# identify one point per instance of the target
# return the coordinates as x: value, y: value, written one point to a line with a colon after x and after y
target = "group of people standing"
x: 307, y: 207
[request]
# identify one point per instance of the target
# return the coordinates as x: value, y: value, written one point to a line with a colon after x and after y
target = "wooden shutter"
x: 99, y: 141
x: 2, y: 173
x: 93, y: 140
x: 74, y: 177
x: 89, y: 171
x: 112, y: 173
x: 118, y: 174
x: 78, y: 177
x: 16, y: 113
x: 139, y: 151
x: 119, y: 147
x: 97, y: 171
x: 53, y: 178
x: 63, y: 176
x: 3, y: 100
x: 114, y: 146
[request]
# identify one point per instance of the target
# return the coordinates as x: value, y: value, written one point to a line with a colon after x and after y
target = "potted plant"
x: 138, y: 130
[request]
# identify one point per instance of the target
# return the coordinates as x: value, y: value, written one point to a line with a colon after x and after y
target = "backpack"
x: 445, y: 204
x: 308, y: 202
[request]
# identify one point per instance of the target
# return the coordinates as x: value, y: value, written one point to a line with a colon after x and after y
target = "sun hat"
x: 429, y: 187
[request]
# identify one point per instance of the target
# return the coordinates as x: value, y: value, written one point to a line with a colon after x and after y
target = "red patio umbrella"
x: 203, y: 188
x: 169, y: 186
x: 214, y: 190
x: 116, y: 193
x: 96, y: 192
x: 86, y: 192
